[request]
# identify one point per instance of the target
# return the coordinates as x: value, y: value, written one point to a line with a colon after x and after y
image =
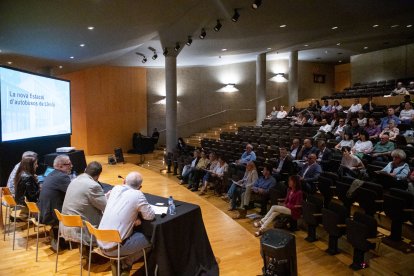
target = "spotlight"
x: 177, y: 46
x: 189, y: 41
x: 203, y: 33
x: 165, y: 53
x: 144, y: 60
x: 154, y: 57
x: 236, y: 16
x: 256, y: 4
x: 218, y: 26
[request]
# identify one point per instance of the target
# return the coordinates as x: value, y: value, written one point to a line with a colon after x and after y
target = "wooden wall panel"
x: 342, y: 77
x: 115, y: 106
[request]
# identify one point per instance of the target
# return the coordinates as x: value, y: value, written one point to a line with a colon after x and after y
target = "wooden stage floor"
x: 236, y: 249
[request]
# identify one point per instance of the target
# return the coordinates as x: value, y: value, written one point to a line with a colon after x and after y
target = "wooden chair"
x: 69, y: 221
x: 33, y: 210
x: 9, y: 202
x: 108, y: 236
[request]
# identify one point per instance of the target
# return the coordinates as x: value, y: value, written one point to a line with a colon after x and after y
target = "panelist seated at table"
x: 125, y: 204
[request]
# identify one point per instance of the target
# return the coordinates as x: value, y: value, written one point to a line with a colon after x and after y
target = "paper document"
x: 159, y: 209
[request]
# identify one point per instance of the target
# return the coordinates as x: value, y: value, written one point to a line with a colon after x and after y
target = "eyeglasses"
x: 67, y: 164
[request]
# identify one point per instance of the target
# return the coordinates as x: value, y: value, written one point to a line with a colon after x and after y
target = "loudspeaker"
x: 111, y: 160
x: 119, y: 155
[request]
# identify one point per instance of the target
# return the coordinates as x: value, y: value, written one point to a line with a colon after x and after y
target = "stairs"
x: 214, y: 133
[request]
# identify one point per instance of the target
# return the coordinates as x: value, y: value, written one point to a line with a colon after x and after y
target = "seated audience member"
x: 326, y: 107
x: 397, y: 168
x: 262, y: 186
x: 407, y: 114
x: 210, y: 168
x: 345, y: 142
x: 295, y: 148
x: 306, y: 150
x: 292, y: 112
x: 350, y: 164
x: 391, y: 116
x: 247, y: 156
x: 372, y: 129
x: 324, y: 129
x: 382, y: 150
x: 84, y: 197
x: 362, y: 119
x: 411, y: 183
x: 282, y: 113
x: 410, y: 87
x: 185, y: 174
x: 400, y: 90
x: 197, y: 174
x: 339, y: 130
x: 10, y: 181
x: 273, y: 114
x: 284, y: 165
x: 241, y: 190
x: 217, y: 174
x: 407, y: 98
x: 314, y: 106
x: 369, y: 106
x: 353, y: 109
x: 125, y: 209
x: 392, y: 130
x: 354, y: 129
x: 315, y: 120
x: 292, y: 206
x: 324, y: 154
x: 300, y: 120
x: 309, y: 174
x: 177, y: 159
x: 362, y: 146
x: 155, y: 136
x: 26, y: 182
x: 335, y: 119
x: 52, y: 194
x: 336, y: 107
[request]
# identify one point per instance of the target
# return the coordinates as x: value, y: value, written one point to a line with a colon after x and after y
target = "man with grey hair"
x: 125, y: 208
x: 10, y: 181
x: 53, y: 193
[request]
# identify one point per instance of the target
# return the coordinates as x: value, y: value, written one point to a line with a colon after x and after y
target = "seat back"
x: 104, y: 235
x: 32, y: 206
x: 332, y: 216
x: 6, y: 191
x: 360, y: 229
x: 366, y: 200
x: 312, y: 205
x: 9, y: 200
x: 325, y: 187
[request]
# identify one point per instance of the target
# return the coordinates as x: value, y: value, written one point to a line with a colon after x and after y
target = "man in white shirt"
x: 355, y: 107
x: 339, y: 130
x: 400, y: 90
x: 125, y: 208
x: 282, y: 113
x: 323, y: 130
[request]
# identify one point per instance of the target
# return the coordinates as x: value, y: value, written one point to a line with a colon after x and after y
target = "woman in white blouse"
x: 392, y: 130
x: 363, y: 145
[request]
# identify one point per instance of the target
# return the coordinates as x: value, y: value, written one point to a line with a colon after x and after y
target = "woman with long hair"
x: 292, y: 205
x: 26, y: 181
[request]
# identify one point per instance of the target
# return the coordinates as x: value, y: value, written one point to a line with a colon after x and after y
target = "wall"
x: 198, y: 97
x: 393, y: 63
x: 342, y: 76
x: 109, y: 104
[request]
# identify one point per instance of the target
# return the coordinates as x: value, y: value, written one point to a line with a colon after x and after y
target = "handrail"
x: 274, y: 99
x: 209, y: 116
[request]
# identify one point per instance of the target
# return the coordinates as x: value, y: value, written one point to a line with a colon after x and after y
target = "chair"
x: 33, y: 209
x: 9, y: 202
x: 69, y: 221
x: 333, y: 219
x: 312, y: 214
x: 108, y: 236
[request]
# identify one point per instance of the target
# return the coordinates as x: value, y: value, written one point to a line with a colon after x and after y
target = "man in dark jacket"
x: 53, y: 193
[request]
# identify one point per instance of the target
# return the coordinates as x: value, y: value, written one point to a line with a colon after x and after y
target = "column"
x: 260, y: 88
x: 171, y: 102
x: 293, y: 88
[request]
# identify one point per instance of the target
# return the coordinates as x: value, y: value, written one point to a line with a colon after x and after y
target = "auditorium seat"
x: 333, y: 219
x: 312, y: 215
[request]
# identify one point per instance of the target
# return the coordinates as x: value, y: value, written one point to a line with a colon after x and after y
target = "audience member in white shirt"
x: 323, y: 130
x: 400, y: 90
x: 407, y: 114
x: 282, y: 113
x: 355, y: 107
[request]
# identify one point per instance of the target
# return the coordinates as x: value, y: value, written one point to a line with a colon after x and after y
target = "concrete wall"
x: 393, y: 63
x: 201, y: 106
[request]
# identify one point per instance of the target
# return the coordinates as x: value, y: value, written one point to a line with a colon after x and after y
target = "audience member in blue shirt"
x: 247, y: 156
x: 386, y: 120
x: 262, y: 187
x: 397, y: 168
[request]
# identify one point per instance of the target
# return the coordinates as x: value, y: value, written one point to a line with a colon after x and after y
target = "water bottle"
x: 171, y: 206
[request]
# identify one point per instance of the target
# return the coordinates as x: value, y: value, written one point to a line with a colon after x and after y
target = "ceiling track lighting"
x: 203, y: 33
x: 256, y: 4
x: 165, y: 53
x: 144, y: 59
x: 154, y: 57
x: 189, y: 41
x: 177, y: 46
x: 218, y: 26
x: 236, y: 16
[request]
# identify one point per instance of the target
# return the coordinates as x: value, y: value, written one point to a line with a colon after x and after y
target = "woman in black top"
x: 26, y: 181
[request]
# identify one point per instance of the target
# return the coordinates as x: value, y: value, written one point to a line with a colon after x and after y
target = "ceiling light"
x: 338, y: 44
x: 144, y: 60
x: 339, y: 61
x: 374, y: 26
x: 203, y: 33
x: 60, y: 66
x: 91, y: 28
x: 366, y: 47
x: 236, y: 16
x: 165, y: 53
x: 177, y: 46
x: 283, y: 26
x: 223, y: 50
x: 82, y: 45
x: 72, y: 57
x: 334, y: 27
x: 9, y: 62
x: 256, y: 4
x: 409, y: 26
x: 269, y: 48
x: 218, y: 26
x: 154, y: 57
x: 279, y: 77
x: 306, y: 45
x: 229, y: 88
x: 394, y: 26
x: 189, y: 41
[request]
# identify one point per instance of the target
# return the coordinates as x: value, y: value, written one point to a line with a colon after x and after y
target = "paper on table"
x: 159, y: 209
